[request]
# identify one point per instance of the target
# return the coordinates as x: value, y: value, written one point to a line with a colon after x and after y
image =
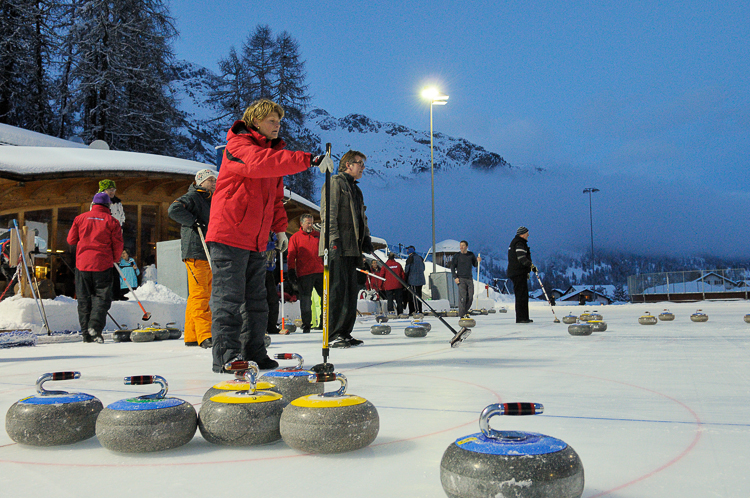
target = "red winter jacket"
x: 98, y: 239
x: 247, y: 204
x: 391, y: 283
x: 303, y: 253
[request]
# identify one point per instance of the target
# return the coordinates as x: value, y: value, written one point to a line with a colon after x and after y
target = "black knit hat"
x: 522, y: 230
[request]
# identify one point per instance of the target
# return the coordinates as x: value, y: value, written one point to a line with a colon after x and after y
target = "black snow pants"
x: 344, y: 291
x: 94, y: 294
x: 521, y: 291
x: 465, y: 295
x: 272, y: 298
x: 397, y: 296
x: 238, y: 304
x: 306, y: 285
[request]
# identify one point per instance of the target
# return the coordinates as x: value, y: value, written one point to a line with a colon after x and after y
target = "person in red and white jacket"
x: 98, y: 240
x: 306, y: 267
x: 393, y: 288
x: 246, y: 207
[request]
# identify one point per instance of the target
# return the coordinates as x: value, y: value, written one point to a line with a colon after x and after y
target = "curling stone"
x: 174, y: 332
x: 147, y: 423
x: 142, y: 335
x: 503, y: 310
x: 380, y: 329
x: 415, y: 330
x: 242, y: 418
x: 666, y: 316
x: 239, y: 383
x: 699, y: 316
x: 584, y: 317
x: 422, y: 324
x: 467, y: 322
x: 583, y: 328
x: 598, y: 325
x: 452, y: 314
x: 298, y: 322
x: 491, y: 310
x: 417, y: 317
x: 511, y: 463
x: 292, y: 381
x: 267, y: 340
x: 594, y: 316
x: 483, y: 311
x: 160, y: 333
x: 647, y: 319
x: 332, y: 422
x: 53, y: 417
x: 122, y: 335
x: 747, y: 318
x: 403, y: 316
x: 290, y: 328
x: 381, y: 318
x: 570, y: 319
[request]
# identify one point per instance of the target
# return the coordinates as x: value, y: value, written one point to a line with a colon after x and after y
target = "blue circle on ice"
x: 56, y: 399
x: 140, y: 404
x: 288, y: 373
x: 532, y: 444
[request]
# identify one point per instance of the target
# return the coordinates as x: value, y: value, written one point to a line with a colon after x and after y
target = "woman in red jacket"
x: 247, y: 206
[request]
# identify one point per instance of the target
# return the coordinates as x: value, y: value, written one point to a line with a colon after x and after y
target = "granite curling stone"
x: 598, y: 325
x: 417, y: 317
x: 491, y: 310
x: 292, y: 382
x: 238, y: 383
x: 666, y: 316
x: 452, y: 314
x: 747, y: 318
x: 503, y: 310
x: 267, y: 340
x: 289, y: 328
x: 594, y: 315
x: 381, y: 318
x: 160, y: 333
x: 122, y: 335
x: 580, y: 329
x: 333, y: 422
x: 298, y: 322
x: 53, y: 418
x: 517, y: 464
x: 415, y: 330
x: 242, y: 418
x: 380, y: 329
x: 584, y: 317
x: 142, y: 335
x: 152, y: 422
x: 174, y: 331
x: 647, y: 319
x: 467, y: 322
x: 569, y: 319
x: 699, y: 316
x: 484, y: 311
x: 422, y: 324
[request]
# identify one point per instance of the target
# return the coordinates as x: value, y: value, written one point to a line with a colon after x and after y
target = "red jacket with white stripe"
x: 98, y: 239
x: 248, y: 202
x: 303, y: 253
x: 391, y: 282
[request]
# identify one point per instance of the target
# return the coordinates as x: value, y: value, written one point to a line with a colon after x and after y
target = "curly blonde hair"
x: 259, y: 110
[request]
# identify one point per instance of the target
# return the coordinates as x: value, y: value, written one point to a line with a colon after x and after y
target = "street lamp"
x: 435, y: 98
x: 591, y: 190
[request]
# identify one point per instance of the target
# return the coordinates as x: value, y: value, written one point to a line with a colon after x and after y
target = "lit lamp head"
x: 434, y: 96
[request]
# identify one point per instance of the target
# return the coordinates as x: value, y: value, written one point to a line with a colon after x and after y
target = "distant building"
x: 599, y: 294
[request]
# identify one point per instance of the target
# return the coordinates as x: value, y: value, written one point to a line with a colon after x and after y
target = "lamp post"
x: 591, y: 190
x: 435, y: 98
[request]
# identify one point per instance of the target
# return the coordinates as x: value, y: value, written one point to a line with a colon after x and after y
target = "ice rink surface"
x: 653, y: 411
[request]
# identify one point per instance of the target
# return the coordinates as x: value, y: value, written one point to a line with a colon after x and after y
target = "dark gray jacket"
x: 195, y: 206
x: 348, y: 220
x: 461, y: 264
x: 415, y: 270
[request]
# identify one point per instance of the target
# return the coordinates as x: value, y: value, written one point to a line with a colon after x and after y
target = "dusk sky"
x: 651, y: 92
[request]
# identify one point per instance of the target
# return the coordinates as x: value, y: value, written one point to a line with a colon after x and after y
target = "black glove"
x: 199, y: 224
x: 316, y: 160
x: 367, y: 247
x: 291, y: 276
x: 362, y: 277
x: 534, y: 268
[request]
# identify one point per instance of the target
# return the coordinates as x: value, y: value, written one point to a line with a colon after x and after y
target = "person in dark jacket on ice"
x: 98, y: 240
x: 414, y: 271
x: 248, y: 204
x: 460, y: 267
x: 193, y: 211
x: 519, y: 266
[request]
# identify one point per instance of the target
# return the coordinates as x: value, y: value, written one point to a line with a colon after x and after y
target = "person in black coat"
x: 461, y: 266
x: 519, y: 266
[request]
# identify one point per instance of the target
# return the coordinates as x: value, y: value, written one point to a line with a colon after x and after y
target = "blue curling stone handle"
x: 288, y: 373
x: 56, y: 399
x: 532, y: 444
x: 137, y: 404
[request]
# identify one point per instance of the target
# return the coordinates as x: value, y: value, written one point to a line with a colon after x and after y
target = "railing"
x: 693, y: 285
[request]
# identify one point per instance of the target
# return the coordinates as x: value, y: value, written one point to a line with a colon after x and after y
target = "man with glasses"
x: 349, y: 239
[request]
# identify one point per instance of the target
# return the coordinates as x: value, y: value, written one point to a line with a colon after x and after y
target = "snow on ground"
x: 653, y: 411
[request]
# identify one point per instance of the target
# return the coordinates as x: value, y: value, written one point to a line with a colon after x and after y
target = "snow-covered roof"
x: 601, y: 290
x: 19, y: 163
x: 12, y: 135
x: 448, y: 245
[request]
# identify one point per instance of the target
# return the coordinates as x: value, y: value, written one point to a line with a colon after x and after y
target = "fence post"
x: 703, y: 286
x: 668, y: 297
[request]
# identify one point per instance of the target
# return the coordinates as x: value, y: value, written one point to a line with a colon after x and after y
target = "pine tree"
x: 121, y: 73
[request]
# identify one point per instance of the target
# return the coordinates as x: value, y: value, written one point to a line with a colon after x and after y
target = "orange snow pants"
x: 198, y: 313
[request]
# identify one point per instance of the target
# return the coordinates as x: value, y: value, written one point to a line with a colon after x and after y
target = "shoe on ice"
x: 87, y: 338
x: 98, y: 339
x: 207, y: 344
x: 191, y: 343
x: 341, y: 343
x: 355, y: 342
x: 306, y: 330
x: 267, y: 364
